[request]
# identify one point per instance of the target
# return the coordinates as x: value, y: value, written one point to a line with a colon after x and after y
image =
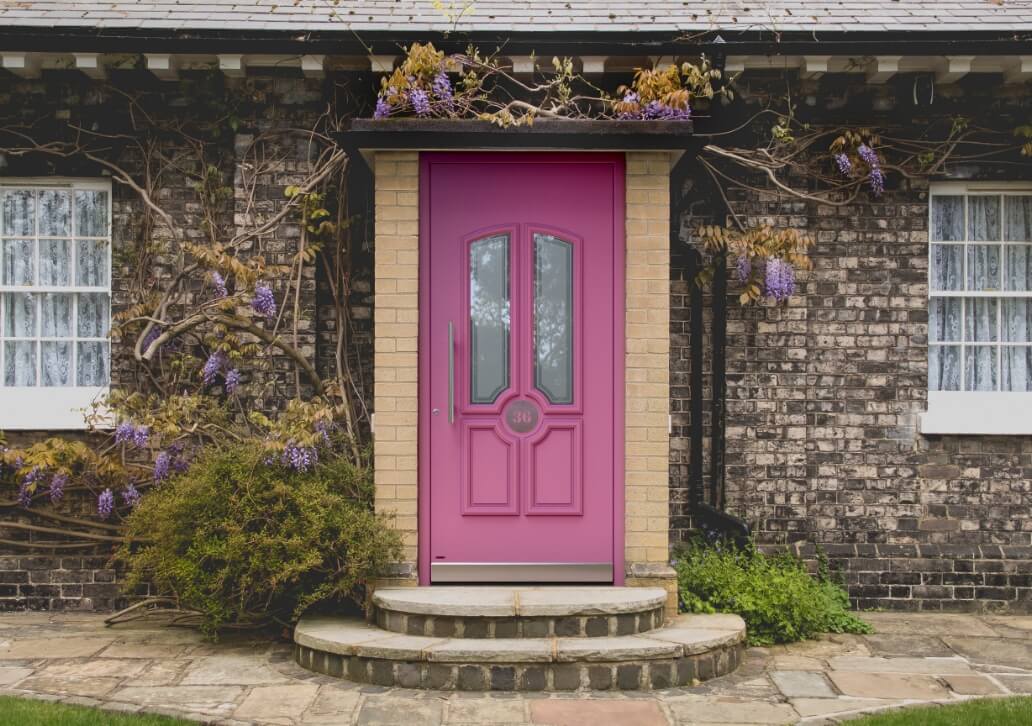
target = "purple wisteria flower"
x: 323, y: 428
x: 141, y: 436
x: 743, y: 268
x: 57, y: 486
x: 300, y: 458
x: 845, y: 166
x: 383, y: 108
x: 131, y: 496
x: 129, y: 433
x: 869, y: 155
x: 264, y: 302
x: 877, y: 181
x: 169, y: 460
x: 162, y: 466
x: 124, y: 432
x: 220, y: 284
x: 442, y: 89
x: 29, y: 484
x: 213, y: 366
x: 779, y: 279
x: 876, y: 177
x: 105, y: 504
x: 420, y: 101
x: 659, y: 110
x: 232, y: 380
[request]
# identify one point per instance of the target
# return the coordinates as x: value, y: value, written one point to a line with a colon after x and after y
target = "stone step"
x: 692, y: 648
x: 519, y: 612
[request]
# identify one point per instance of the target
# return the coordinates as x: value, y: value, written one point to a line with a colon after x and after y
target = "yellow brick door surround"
x: 646, y: 364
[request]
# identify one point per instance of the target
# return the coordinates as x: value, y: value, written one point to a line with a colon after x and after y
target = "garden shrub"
x: 778, y: 599
x: 243, y: 540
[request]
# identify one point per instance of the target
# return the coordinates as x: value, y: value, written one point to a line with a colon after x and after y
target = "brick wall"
x: 823, y: 393
x: 58, y: 582
x: 395, y: 360
x: 39, y: 570
x: 823, y: 399
x: 647, y: 369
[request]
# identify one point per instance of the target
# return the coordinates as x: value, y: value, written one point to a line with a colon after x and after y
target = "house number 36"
x: 521, y: 416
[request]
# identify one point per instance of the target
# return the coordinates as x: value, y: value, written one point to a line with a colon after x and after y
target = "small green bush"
x: 775, y: 595
x: 243, y: 541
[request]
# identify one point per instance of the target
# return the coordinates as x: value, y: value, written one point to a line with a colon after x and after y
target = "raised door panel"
x: 490, y: 471
x: 555, y: 470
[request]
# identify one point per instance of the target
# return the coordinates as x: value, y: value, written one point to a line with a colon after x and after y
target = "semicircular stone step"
x: 692, y: 648
x: 519, y: 612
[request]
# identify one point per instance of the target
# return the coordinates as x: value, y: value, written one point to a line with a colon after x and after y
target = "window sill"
x: 57, y: 409
x: 981, y: 413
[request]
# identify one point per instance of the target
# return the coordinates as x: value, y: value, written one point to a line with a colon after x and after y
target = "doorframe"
x: 617, y: 160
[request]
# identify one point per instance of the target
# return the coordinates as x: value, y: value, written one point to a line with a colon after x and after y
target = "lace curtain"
x: 54, y: 287
x: 978, y: 342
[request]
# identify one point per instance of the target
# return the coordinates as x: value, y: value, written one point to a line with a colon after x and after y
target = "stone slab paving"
x: 145, y: 666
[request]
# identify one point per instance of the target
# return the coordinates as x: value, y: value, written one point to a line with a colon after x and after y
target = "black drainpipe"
x: 707, y: 508
x: 710, y: 516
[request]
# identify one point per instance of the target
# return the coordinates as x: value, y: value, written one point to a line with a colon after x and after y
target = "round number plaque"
x: 521, y: 416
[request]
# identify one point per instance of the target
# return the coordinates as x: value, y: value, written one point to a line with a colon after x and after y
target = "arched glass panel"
x: 553, y: 318
x: 489, y: 317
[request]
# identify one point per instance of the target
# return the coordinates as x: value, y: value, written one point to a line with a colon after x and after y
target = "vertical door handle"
x: 451, y: 372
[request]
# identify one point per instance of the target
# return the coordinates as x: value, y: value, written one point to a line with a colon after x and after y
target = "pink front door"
x: 521, y: 350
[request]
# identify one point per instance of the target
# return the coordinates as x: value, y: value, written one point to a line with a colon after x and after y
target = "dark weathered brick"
x: 628, y: 677
x: 600, y: 677
x: 471, y: 678
x: 503, y: 678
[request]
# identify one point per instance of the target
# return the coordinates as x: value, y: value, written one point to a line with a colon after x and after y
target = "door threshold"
x: 495, y: 572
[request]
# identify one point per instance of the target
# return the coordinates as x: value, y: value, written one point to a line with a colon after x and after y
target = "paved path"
x: 147, y: 667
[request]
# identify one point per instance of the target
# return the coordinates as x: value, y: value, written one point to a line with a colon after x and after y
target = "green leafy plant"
x: 241, y: 541
x: 775, y: 595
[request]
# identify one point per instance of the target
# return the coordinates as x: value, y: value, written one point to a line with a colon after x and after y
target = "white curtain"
x: 1017, y: 359
x: 947, y: 267
x: 944, y: 321
x: 1017, y: 313
x: 92, y: 364
x: 54, y: 337
x: 91, y: 263
x: 56, y: 362
x: 981, y: 366
x: 987, y: 321
x: 55, y: 262
x: 91, y: 214
x: 19, y: 261
x: 19, y: 211
x: 55, y: 213
x: 19, y: 363
x: 947, y: 273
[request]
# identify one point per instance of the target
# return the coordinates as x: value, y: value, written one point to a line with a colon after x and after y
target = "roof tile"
x: 530, y: 15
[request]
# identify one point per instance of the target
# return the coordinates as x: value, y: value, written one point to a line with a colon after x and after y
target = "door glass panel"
x: 489, y: 318
x: 553, y: 318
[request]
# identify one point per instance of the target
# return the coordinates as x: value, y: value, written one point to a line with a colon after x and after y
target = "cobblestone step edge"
x: 631, y: 675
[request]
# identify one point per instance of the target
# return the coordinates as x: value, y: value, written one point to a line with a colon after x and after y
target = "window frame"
x: 975, y: 412
x: 41, y: 407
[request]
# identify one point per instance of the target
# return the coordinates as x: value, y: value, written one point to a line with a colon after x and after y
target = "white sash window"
x: 980, y: 309
x: 55, y: 301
